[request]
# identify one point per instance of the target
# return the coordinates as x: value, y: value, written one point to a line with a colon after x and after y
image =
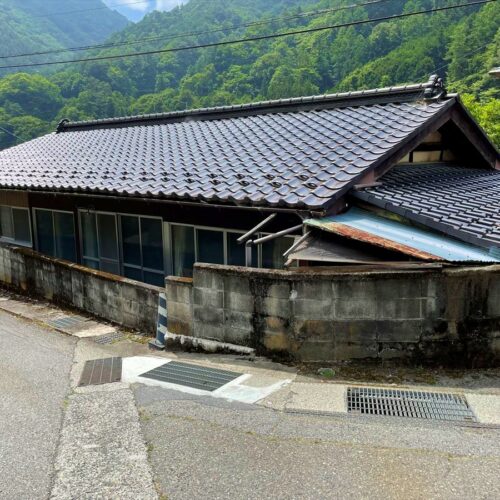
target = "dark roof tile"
x: 461, y: 201
x: 298, y: 158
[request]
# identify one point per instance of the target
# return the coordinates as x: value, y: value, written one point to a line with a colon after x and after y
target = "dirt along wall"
x: 113, y: 298
x: 430, y: 314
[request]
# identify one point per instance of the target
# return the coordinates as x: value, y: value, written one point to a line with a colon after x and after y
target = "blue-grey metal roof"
x: 460, y: 201
x: 369, y: 227
x: 299, y: 153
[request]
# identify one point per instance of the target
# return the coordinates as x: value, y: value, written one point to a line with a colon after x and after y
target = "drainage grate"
x: 109, y: 338
x: 413, y: 404
x: 197, y: 377
x: 67, y: 322
x: 101, y: 371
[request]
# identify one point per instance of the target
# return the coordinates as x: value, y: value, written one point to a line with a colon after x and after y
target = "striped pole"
x: 161, y: 324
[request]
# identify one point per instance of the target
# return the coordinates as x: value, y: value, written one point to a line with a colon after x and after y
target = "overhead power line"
x: 197, y: 33
x: 66, y: 12
x: 247, y: 40
x: 10, y: 133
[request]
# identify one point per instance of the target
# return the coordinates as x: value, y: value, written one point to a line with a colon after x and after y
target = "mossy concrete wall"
x: 120, y: 300
x: 433, y: 314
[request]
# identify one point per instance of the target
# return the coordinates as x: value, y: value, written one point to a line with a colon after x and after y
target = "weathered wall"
x: 443, y: 315
x: 123, y: 301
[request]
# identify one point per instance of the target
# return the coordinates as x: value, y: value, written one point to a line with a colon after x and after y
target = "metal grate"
x: 412, y: 404
x: 109, y: 338
x: 197, y: 377
x: 67, y: 322
x: 101, y: 371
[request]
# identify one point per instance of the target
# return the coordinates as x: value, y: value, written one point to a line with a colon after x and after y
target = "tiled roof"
x: 299, y: 153
x: 459, y: 201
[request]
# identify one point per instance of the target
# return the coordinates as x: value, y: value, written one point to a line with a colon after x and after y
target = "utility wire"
x: 50, y: 14
x: 245, y: 40
x: 467, y: 54
x: 196, y: 33
x: 10, y: 133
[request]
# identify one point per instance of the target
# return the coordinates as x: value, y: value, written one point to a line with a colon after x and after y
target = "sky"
x: 135, y: 11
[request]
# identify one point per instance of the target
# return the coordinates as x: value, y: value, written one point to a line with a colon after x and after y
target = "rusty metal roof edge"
x: 362, y: 225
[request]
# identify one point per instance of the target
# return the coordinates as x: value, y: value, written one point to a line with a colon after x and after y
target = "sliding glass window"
x: 142, y: 249
x: 100, y: 241
x: 55, y: 233
x: 15, y: 225
x: 218, y: 246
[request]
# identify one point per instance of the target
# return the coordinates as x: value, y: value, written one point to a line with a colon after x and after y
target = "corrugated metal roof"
x: 368, y: 227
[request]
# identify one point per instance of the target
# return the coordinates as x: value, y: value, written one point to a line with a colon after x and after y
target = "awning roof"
x: 368, y: 227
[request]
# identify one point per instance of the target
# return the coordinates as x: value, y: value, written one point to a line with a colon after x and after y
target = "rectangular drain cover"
x: 67, y: 322
x: 197, y: 377
x: 101, y: 371
x: 407, y: 403
x: 109, y: 338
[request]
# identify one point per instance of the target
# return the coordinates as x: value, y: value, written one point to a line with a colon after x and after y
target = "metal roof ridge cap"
x: 384, y: 91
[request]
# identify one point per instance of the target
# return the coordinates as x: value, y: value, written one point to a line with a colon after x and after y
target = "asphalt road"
x: 202, y: 447
x: 209, y: 448
x: 34, y: 382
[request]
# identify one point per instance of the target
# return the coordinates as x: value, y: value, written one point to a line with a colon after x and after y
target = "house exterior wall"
x: 210, y: 217
x: 449, y: 316
x: 125, y: 302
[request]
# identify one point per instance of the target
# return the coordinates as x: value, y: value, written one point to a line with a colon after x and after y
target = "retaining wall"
x: 449, y: 316
x: 120, y: 300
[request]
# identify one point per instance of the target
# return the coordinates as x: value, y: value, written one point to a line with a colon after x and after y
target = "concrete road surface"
x: 113, y: 442
x: 34, y: 381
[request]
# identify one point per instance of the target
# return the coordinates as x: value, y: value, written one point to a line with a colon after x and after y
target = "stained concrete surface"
x: 203, y: 447
x: 101, y: 453
x: 34, y: 382
x: 207, y: 448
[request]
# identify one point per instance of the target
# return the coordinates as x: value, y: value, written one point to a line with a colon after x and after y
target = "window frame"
x: 119, y: 239
x: 52, y: 211
x: 225, y: 230
x: 6, y: 239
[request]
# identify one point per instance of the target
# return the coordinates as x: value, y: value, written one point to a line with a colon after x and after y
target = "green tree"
x: 33, y: 94
x: 487, y: 114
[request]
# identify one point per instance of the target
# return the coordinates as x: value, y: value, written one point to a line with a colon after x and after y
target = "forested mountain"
x: 460, y: 44
x: 136, y: 9
x: 34, y: 25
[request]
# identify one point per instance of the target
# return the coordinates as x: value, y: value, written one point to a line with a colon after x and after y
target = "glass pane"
x: 210, y: 246
x: 108, y: 245
x: 132, y: 273
x: 93, y: 264
x: 21, y: 220
x: 183, y: 250
x: 236, y: 252
x: 131, y: 240
x: 110, y: 267
x: 45, y: 232
x: 156, y: 279
x: 6, y: 227
x: 152, y: 243
x: 272, y: 252
x: 89, y: 235
x: 65, y: 236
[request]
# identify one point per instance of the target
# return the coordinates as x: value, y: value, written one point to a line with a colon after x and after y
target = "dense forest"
x: 461, y: 45
x: 34, y: 25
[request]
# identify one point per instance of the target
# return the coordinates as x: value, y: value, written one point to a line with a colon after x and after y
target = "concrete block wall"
x: 443, y: 315
x: 179, y: 293
x: 120, y: 300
